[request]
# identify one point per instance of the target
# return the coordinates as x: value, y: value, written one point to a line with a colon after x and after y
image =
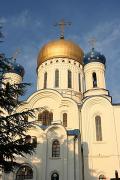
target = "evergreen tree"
x: 13, y: 126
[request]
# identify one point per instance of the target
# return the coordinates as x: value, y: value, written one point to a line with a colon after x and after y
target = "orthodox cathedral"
x: 78, y: 132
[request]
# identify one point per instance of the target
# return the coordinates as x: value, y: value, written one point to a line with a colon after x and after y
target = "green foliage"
x: 13, y: 126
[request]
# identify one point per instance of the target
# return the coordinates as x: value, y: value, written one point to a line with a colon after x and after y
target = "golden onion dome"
x: 60, y: 48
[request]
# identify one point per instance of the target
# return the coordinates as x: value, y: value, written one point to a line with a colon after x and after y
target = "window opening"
x: 45, y: 80
x: 98, y: 128
x: 94, y: 79
x: 55, y: 176
x: 102, y: 177
x: 24, y: 172
x: 55, y: 148
x: 65, y: 119
x: 69, y: 79
x: 79, y: 82
x: 45, y: 118
x: 56, y: 78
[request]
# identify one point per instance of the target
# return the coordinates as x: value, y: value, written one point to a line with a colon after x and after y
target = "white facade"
x: 87, y: 150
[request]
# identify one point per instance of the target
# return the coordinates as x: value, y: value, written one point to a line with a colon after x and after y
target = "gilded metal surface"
x: 60, y: 48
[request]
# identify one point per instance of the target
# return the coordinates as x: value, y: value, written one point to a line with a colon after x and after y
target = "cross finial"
x: 62, y: 25
x: 15, y: 54
x: 92, y: 42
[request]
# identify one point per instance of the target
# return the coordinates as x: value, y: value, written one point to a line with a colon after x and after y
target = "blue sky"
x: 28, y: 24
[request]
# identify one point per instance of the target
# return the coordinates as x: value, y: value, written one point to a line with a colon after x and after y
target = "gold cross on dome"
x: 62, y: 25
x: 92, y: 42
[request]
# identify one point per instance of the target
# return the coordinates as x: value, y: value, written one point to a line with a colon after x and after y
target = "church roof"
x: 11, y: 65
x: 60, y: 48
x: 94, y: 56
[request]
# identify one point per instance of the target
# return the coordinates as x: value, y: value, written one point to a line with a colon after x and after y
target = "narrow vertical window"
x: 55, y: 176
x: 45, y: 80
x: 65, y: 119
x: 55, y: 148
x: 69, y: 79
x: 56, y: 78
x: 94, y: 79
x: 98, y: 128
x: 79, y: 82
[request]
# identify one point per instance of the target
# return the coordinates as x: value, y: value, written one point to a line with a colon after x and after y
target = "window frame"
x: 52, y: 178
x: 56, y: 78
x: 24, y: 176
x: 45, y: 118
x: 69, y: 79
x: 98, y: 128
x: 65, y: 119
x: 79, y: 82
x: 94, y: 79
x: 55, y: 148
x: 45, y: 80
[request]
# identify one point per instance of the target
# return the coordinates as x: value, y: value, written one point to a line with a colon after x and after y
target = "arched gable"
x: 56, y: 131
x: 55, y: 103
x: 35, y: 99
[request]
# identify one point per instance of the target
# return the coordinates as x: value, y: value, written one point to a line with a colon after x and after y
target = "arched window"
x: 65, y: 119
x: 102, y: 177
x: 56, y: 78
x: 94, y: 79
x: 45, y: 118
x: 98, y: 128
x: 55, y: 176
x: 69, y: 79
x: 79, y: 82
x: 24, y: 172
x: 55, y: 148
x: 45, y: 80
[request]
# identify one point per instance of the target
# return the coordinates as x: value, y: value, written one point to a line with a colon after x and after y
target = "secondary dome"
x: 60, y: 48
x: 11, y: 66
x: 94, y: 56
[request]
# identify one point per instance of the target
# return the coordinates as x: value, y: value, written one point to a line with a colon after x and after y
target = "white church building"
x: 78, y: 133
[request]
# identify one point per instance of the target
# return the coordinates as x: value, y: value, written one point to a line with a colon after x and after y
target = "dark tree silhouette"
x: 13, y: 125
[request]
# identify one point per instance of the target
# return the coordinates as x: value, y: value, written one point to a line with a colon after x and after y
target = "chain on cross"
x: 92, y: 42
x: 62, y: 25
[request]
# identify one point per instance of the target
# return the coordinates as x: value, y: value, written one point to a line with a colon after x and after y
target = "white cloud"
x: 108, y: 43
x: 108, y: 38
x: 106, y: 33
x: 22, y: 20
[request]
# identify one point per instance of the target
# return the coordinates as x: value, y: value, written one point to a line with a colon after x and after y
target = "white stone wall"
x: 63, y: 65
x: 99, y: 69
x: 68, y: 165
x: 100, y: 157
x: 54, y: 102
